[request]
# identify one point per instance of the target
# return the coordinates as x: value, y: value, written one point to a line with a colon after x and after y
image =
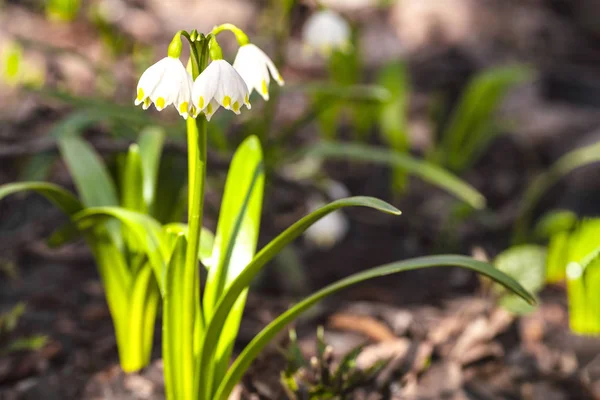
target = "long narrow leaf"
x: 266, y: 335
x: 132, y: 181
x: 142, y: 304
x: 243, y: 280
x: 173, y: 321
x: 565, y: 165
x: 151, y: 143
x: 426, y: 171
x: 61, y: 198
x: 235, y: 243
x: 93, y: 181
x: 146, y: 231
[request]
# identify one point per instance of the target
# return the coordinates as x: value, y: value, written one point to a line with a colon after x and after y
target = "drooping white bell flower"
x: 164, y: 83
x: 254, y: 67
x: 219, y: 85
x: 332, y: 228
x: 326, y: 31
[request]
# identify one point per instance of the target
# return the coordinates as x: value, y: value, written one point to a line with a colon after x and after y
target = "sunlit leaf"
x: 542, y: 183
x: 527, y: 265
x: 414, y: 166
x: 243, y: 280
x: 235, y: 242
x: 252, y: 350
x: 58, y: 196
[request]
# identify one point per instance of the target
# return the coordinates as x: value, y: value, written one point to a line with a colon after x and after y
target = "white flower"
x: 220, y: 85
x: 332, y: 228
x: 326, y: 31
x: 164, y: 83
x: 254, y: 66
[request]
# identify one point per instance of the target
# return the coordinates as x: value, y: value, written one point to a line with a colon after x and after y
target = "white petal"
x: 254, y: 66
x: 211, y: 108
x: 205, y: 86
x: 149, y: 81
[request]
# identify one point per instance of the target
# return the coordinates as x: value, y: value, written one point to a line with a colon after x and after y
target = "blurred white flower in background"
x: 164, y: 83
x: 256, y: 68
x: 349, y: 5
x: 220, y: 85
x: 326, y: 31
x: 332, y: 228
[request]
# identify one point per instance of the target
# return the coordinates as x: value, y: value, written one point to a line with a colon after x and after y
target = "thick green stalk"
x: 196, y: 134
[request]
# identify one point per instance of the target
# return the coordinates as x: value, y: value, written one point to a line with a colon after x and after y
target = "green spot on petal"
x: 201, y: 103
x: 236, y: 106
x: 209, y: 109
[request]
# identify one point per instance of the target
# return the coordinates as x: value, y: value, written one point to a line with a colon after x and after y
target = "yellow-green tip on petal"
x: 236, y: 106
x: 160, y: 103
x: 201, y: 103
x: 140, y: 94
x: 265, y: 88
x: 183, y: 107
x: 226, y: 101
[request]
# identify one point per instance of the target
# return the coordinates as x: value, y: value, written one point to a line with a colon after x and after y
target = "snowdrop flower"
x: 332, y: 228
x: 254, y: 67
x: 219, y: 85
x: 326, y: 31
x: 164, y: 83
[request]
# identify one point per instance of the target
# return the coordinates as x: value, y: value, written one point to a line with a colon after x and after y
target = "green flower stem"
x: 240, y: 35
x: 197, y: 144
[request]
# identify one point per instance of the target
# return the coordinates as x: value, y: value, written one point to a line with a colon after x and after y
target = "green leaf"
x: 393, y: 115
x: 173, y: 321
x: 426, y: 171
x: 239, y: 221
x: 132, y: 184
x: 146, y: 231
x: 243, y: 280
x: 252, y: 350
x: 151, y: 143
x: 235, y: 242
x: 555, y: 222
x: 471, y: 126
x: 538, y: 187
x: 91, y: 177
x: 558, y: 257
x: 28, y: 343
x: 144, y: 297
x: 58, y: 196
x: 10, y: 318
x: 334, y: 91
x: 207, y: 240
x: 527, y: 265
